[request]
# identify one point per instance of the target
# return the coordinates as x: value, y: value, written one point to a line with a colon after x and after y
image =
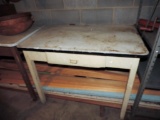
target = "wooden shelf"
x: 76, y: 79
x: 72, y: 78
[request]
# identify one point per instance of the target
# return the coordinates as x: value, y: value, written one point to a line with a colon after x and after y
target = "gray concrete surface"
x: 16, y: 105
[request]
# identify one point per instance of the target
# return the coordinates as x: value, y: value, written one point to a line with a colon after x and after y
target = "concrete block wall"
x: 48, y: 12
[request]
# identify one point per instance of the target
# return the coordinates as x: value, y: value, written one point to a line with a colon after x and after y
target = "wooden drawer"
x: 76, y: 59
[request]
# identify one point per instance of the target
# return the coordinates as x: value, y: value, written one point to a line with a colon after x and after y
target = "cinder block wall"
x: 47, y: 12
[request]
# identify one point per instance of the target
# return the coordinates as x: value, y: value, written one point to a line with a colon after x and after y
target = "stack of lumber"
x: 97, y: 86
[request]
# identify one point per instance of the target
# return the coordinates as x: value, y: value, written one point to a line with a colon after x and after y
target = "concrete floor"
x: 19, y: 106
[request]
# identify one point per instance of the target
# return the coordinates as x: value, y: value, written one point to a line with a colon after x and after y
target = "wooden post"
x: 23, y: 72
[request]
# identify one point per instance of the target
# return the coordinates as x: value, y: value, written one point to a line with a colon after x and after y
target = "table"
x: 8, y: 48
x: 87, y: 46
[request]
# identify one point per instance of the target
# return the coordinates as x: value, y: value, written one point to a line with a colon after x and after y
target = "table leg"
x: 129, y: 86
x: 124, y: 63
x: 35, y: 77
x: 23, y: 72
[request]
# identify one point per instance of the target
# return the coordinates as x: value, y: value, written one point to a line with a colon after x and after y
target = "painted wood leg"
x: 35, y: 77
x: 23, y: 72
x: 124, y: 63
x: 129, y: 86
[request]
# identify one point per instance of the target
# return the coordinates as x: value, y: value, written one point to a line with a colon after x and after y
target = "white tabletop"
x: 14, y: 40
x: 89, y: 39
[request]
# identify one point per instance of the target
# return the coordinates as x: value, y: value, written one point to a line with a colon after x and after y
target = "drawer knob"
x: 73, y: 61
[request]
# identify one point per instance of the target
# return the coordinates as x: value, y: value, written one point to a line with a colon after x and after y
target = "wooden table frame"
x: 13, y: 52
x: 96, y: 61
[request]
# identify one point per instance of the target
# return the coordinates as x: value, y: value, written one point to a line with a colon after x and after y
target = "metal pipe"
x: 139, y: 11
x: 152, y: 13
x: 147, y: 72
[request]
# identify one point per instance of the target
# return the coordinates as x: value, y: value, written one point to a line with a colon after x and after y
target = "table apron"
x: 93, y: 61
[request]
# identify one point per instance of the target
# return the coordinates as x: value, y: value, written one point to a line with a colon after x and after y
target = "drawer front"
x: 76, y: 59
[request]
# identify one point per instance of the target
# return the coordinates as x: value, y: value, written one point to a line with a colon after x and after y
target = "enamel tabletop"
x: 10, y: 41
x: 88, y: 39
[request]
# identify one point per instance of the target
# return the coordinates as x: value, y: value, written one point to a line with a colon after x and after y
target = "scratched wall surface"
x: 48, y: 12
